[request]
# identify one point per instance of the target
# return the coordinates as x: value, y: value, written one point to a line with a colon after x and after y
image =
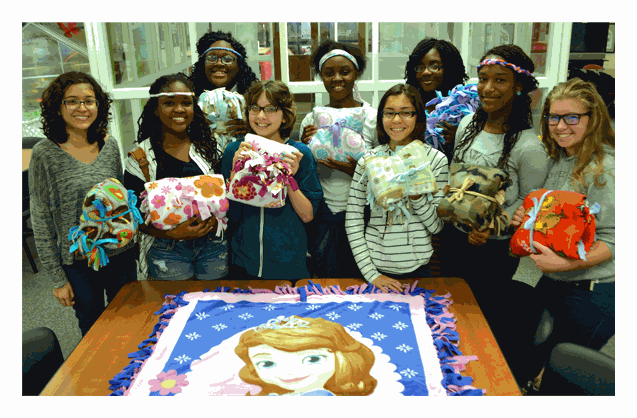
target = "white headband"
x: 335, y: 52
x: 178, y: 93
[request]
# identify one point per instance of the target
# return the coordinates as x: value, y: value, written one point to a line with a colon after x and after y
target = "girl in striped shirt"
x: 385, y: 253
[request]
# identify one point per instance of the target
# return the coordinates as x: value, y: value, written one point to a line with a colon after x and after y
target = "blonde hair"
x: 353, y: 359
x: 599, y: 130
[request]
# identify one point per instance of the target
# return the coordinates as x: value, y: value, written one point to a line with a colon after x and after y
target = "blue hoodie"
x: 271, y: 243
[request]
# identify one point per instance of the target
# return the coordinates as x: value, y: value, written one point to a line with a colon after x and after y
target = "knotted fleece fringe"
x: 439, y: 319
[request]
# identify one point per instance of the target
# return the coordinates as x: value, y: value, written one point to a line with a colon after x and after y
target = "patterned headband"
x: 503, y: 63
x: 283, y: 322
x: 220, y: 47
x: 170, y: 93
x: 335, y: 52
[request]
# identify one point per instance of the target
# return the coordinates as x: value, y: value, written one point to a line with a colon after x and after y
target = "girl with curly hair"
x: 339, y: 66
x: 76, y: 155
x: 499, y: 134
x: 436, y: 65
x: 306, y: 357
x: 272, y: 243
x: 578, y: 294
x: 223, y: 63
x: 175, y: 138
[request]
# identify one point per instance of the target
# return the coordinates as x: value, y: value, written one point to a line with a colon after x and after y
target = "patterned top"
x: 394, y: 248
x: 58, y: 184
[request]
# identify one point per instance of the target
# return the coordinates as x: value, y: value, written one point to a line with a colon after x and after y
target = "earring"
x: 519, y: 93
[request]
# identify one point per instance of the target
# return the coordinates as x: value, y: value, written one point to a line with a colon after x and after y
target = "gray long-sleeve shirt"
x: 58, y: 184
x: 559, y: 178
x: 527, y: 166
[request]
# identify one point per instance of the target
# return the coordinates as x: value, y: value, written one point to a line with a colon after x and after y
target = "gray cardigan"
x: 58, y: 184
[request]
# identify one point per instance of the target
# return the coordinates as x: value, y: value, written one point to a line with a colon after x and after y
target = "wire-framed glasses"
x: 268, y: 110
x: 404, y: 114
x: 225, y: 59
x: 569, y: 119
x: 434, y: 68
x: 72, y: 104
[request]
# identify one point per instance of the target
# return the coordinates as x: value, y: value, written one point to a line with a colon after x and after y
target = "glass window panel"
x: 531, y: 37
x: 304, y: 104
x: 299, y: 50
x: 397, y: 40
x: 127, y: 123
x: 538, y: 97
x: 43, y: 59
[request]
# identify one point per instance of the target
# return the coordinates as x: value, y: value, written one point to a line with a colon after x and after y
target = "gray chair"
x: 574, y: 370
x: 41, y: 358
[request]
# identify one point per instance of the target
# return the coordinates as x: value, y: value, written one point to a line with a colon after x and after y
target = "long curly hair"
x: 519, y: 119
x: 453, y: 66
x: 599, y: 129
x: 150, y: 126
x: 279, y: 95
x: 328, y: 45
x: 414, y: 97
x: 354, y: 360
x: 245, y: 76
x: 54, y: 126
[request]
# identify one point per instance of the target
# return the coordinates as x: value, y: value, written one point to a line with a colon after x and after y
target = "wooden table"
x: 130, y: 318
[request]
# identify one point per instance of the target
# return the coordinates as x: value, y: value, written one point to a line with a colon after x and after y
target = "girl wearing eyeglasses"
x: 385, y: 253
x: 436, y: 65
x: 223, y: 63
x: 76, y: 155
x: 271, y: 243
x: 175, y: 137
x: 579, y: 294
x: 339, y: 66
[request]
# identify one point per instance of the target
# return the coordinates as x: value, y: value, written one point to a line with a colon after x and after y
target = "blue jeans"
x: 329, y: 246
x: 89, y: 285
x: 205, y: 258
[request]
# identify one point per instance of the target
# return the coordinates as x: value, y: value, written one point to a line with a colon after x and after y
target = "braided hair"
x: 199, y: 133
x: 519, y: 119
x: 245, y: 76
x: 454, y: 69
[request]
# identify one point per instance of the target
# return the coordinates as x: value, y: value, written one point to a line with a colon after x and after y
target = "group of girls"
x: 324, y: 214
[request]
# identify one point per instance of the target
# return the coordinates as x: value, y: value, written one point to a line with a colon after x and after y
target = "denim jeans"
x: 89, y: 285
x: 204, y: 258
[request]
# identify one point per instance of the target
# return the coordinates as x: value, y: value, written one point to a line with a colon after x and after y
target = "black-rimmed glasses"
x: 226, y: 59
x: 569, y: 119
x: 73, y: 104
x: 268, y: 110
x: 404, y: 114
x: 434, y: 68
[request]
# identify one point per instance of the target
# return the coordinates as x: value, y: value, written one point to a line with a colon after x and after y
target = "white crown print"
x: 281, y: 322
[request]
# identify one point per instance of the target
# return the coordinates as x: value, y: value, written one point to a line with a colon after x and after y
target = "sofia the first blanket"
x: 307, y: 341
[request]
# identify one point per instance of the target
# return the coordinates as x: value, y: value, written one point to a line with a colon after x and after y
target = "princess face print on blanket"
x: 169, y: 202
x: 275, y: 344
x: 261, y: 179
x: 220, y: 106
x: 559, y: 219
x: 339, y: 133
x: 109, y: 221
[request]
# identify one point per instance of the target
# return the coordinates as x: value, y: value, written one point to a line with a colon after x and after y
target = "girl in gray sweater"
x: 76, y: 155
x: 579, y: 294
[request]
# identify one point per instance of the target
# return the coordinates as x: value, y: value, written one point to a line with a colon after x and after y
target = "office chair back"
x: 574, y: 370
x: 41, y: 358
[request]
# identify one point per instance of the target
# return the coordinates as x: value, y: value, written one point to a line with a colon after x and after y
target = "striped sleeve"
x: 355, y: 224
x: 426, y: 210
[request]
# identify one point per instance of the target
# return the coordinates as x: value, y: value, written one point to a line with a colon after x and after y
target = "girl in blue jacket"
x: 271, y: 243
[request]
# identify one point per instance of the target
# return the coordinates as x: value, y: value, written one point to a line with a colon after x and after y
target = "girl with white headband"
x: 223, y: 63
x: 499, y: 134
x: 339, y: 66
x: 176, y: 142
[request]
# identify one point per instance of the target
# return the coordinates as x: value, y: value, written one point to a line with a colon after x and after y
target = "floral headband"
x: 220, y: 47
x: 503, y: 63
